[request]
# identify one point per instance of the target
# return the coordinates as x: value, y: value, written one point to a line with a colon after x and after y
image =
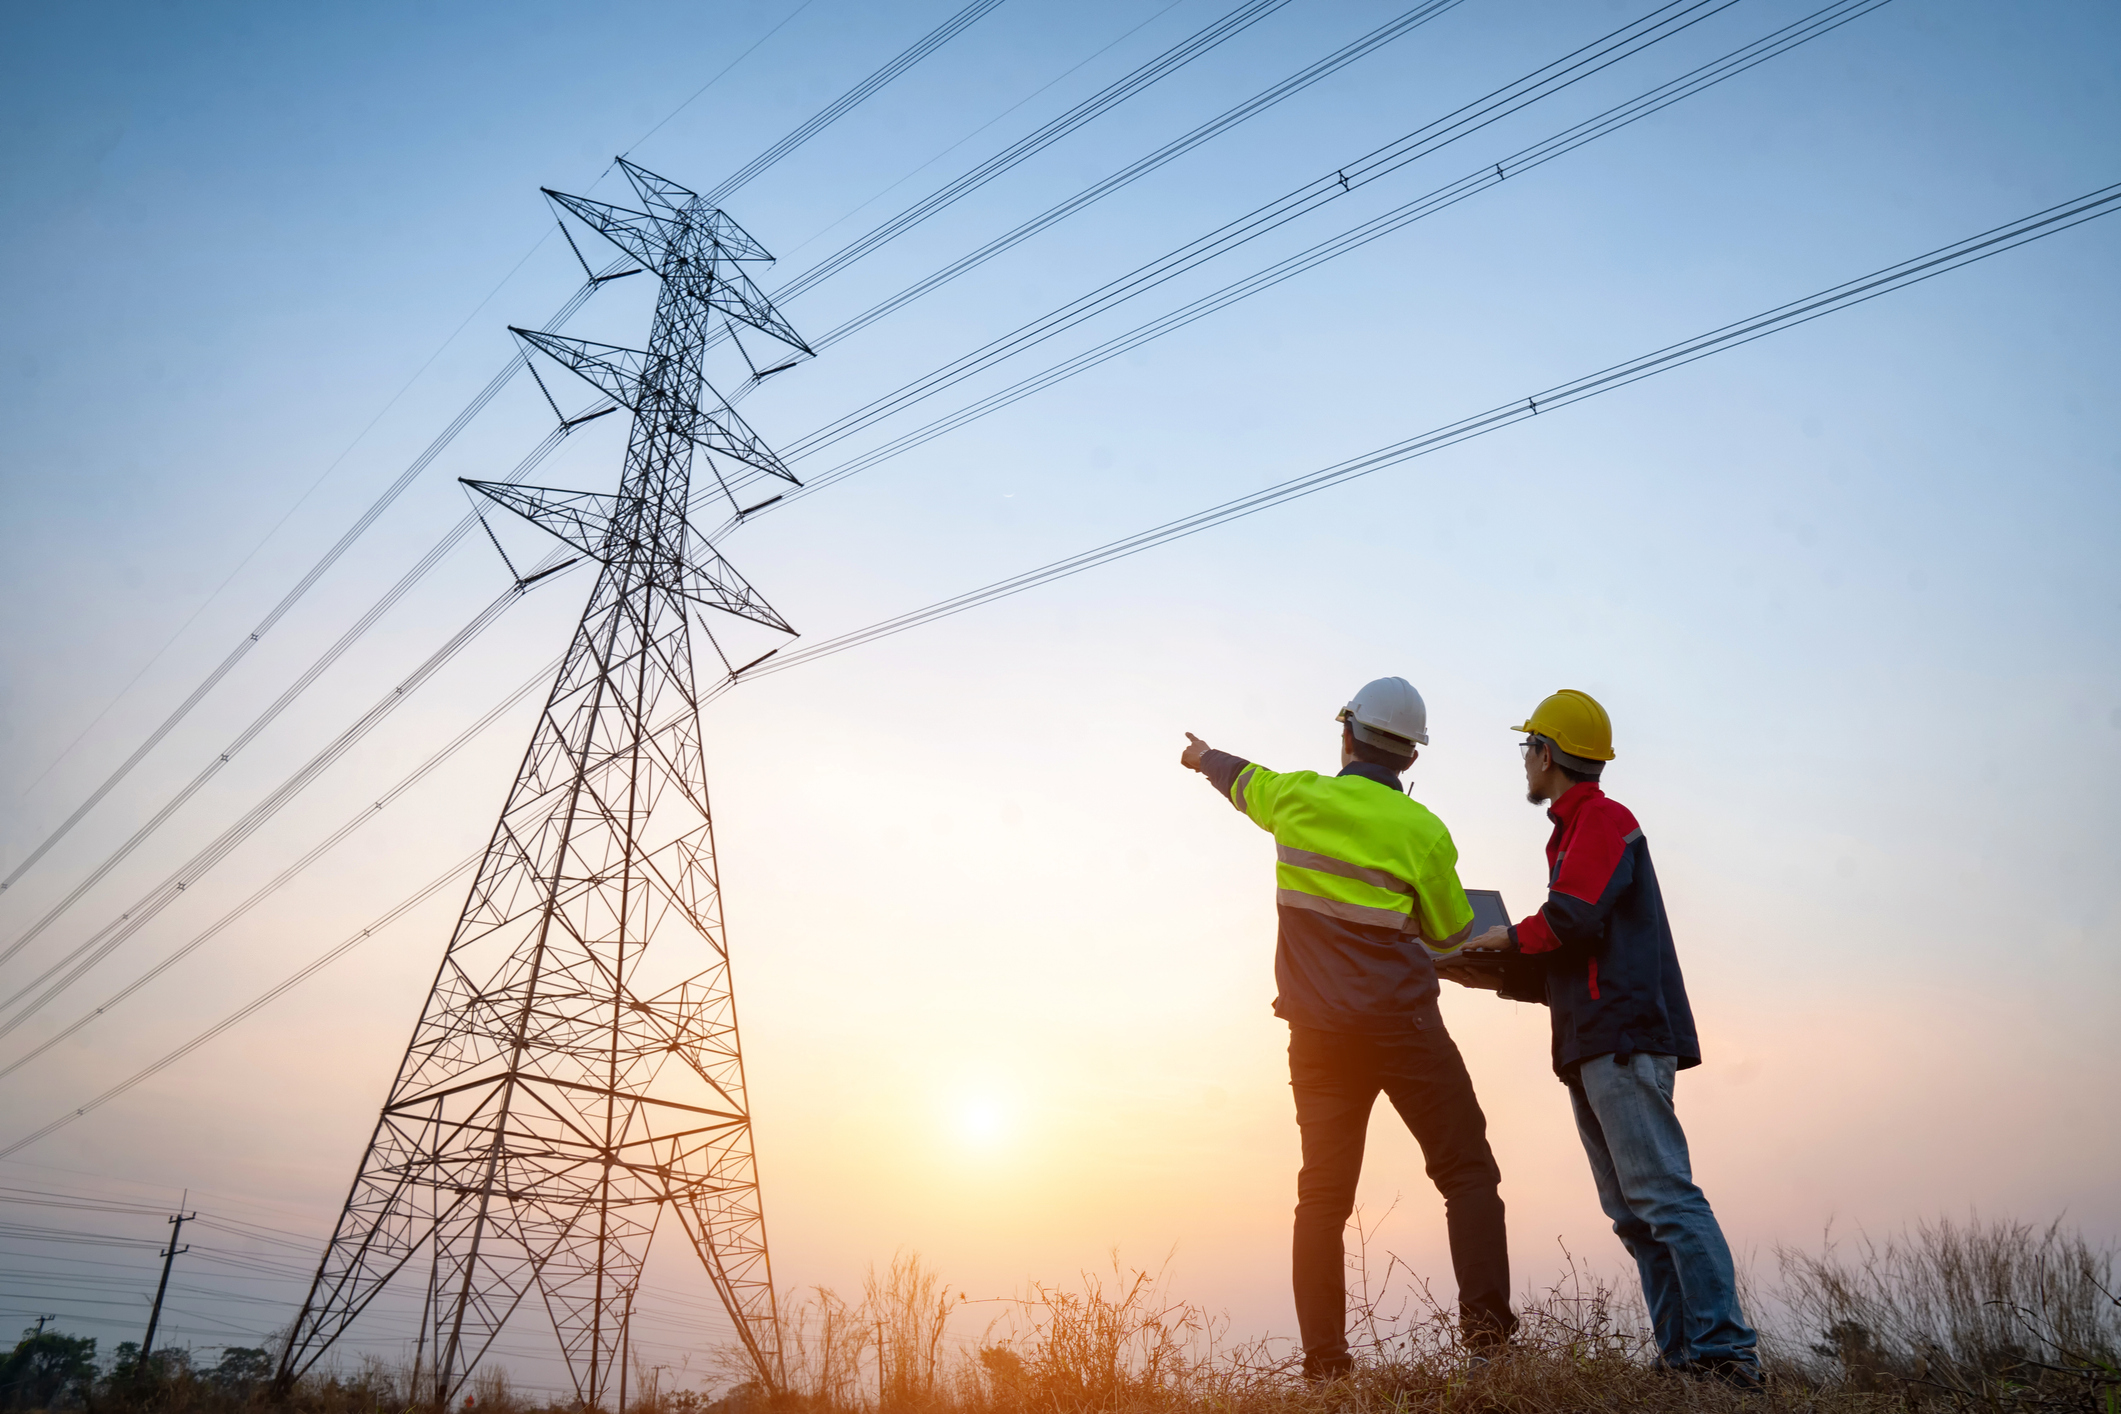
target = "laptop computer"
x: 1489, y: 911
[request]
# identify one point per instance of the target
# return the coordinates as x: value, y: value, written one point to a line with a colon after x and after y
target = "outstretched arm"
x: 1220, y: 767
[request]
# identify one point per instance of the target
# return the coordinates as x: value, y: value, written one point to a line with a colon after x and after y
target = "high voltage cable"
x: 1869, y: 287
x: 1111, y: 96
x: 286, y: 699
x: 279, y: 881
x: 1097, y: 191
x: 265, y: 998
x: 114, y: 934
x: 292, y: 597
x: 1660, y: 24
x: 1156, y: 69
x: 839, y: 108
x: 1944, y: 259
x: 1880, y: 1
x: 719, y: 75
x: 1139, y: 25
x: 1686, y: 85
x: 1490, y: 175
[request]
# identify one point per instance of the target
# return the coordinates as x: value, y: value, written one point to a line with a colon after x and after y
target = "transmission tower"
x: 558, y: 1095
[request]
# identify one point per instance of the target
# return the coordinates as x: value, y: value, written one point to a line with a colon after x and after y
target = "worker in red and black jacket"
x: 1599, y: 954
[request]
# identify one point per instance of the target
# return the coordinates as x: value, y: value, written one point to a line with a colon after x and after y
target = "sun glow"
x: 982, y: 1122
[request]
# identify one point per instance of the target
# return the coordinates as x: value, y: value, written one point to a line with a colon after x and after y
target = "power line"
x: 264, y: 999
x: 838, y: 108
x: 1488, y: 175
x: 1660, y: 24
x: 263, y: 540
x: 286, y: 699
x: 284, y: 877
x: 1957, y: 255
x: 113, y: 934
x: 287, y: 602
x: 1142, y: 77
x: 1294, y: 83
x: 853, y: 98
x: 1097, y: 191
x: 1686, y: 85
x: 1139, y: 25
x: 1893, y: 277
x: 721, y: 74
x: 1096, y: 105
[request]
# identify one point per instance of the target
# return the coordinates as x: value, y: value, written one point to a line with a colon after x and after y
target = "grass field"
x: 1995, y: 1315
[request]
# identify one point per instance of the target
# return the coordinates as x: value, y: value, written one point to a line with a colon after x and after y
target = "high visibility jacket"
x: 1599, y: 952
x: 1362, y: 876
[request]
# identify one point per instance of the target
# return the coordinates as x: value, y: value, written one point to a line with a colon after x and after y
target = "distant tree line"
x: 51, y: 1370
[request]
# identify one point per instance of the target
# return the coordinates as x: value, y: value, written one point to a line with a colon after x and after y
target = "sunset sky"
x: 1850, y: 594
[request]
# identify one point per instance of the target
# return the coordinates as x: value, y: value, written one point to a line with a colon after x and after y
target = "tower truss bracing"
x: 568, y: 1089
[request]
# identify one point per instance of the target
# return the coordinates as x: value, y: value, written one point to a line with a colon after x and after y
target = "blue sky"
x: 1849, y: 592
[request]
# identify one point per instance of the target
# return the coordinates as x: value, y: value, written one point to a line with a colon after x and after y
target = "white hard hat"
x: 1388, y: 714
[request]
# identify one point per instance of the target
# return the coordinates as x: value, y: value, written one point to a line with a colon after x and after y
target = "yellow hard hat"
x: 1574, y: 722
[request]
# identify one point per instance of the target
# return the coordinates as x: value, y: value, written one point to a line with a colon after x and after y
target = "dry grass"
x: 1988, y: 1314
x: 2001, y: 1317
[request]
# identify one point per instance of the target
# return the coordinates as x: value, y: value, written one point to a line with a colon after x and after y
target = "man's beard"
x: 1535, y: 797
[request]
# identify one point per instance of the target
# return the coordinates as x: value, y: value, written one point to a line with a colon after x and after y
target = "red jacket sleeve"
x: 1590, y: 853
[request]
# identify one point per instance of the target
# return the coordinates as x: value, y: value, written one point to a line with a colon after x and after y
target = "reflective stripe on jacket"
x: 1605, y: 963
x: 1362, y: 877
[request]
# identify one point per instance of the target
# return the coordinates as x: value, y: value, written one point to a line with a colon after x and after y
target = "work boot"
x: 1321, y: 1370
x: 1739, y: 1374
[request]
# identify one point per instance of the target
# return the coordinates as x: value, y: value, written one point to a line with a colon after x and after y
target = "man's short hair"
x: 1577, y: 768
x: 1394, y: 761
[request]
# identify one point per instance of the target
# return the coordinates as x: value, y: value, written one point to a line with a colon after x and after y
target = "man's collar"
x: 1572, y: 800
x: 1373, y: 773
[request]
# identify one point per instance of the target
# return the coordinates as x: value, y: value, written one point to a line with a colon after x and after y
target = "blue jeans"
x: 1645, y: 1183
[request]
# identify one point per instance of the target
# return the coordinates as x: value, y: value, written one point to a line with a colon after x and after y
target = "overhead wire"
x: 287, y: 875
x: 853, y: 98
x: 1487, y: 176
x: 265, y: 998
x: 263, y: 540
x: 1694, y: 81
x: 1128, y: 86
x: 838, y: 108
x: 1890, y: 279
x: 1215, y: 127
x: 2037, y: 226
x: 1141, y: 24
x: 720, y: 74
x: 291, y: 598
x: 1653, y: 28
x: 102, y: 943
x: 1195, y: 45
x: 264, y: 719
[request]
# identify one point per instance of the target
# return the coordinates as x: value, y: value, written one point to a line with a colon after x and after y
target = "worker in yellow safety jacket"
x: 1367, y: 895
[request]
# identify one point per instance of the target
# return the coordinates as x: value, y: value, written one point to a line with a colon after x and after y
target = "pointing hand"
x: 1195, y: 749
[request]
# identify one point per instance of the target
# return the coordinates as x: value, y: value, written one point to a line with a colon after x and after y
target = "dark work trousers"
x: 1336, y: 1076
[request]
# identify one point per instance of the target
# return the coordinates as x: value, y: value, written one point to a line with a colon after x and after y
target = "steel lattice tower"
x: 558, y: 1095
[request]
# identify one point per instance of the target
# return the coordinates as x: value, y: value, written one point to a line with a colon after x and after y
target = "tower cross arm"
x: 584, y: 519
x: 613, y: 370
x: 715, y: 426
x: 730, y: 290
x: 713, y: 581
x: 581, y: 518
x: 638, y: 233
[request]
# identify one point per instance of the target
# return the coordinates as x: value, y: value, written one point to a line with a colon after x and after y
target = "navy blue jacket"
x: 1599, y: 952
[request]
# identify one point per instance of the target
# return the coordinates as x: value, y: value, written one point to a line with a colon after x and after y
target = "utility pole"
x: 40, y: 1323
x: 169, y: 1258
x: 566, y: 1085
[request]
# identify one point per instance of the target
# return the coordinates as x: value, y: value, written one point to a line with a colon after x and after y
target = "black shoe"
x: 1324, y: 1370
x: 1730, y: 1370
